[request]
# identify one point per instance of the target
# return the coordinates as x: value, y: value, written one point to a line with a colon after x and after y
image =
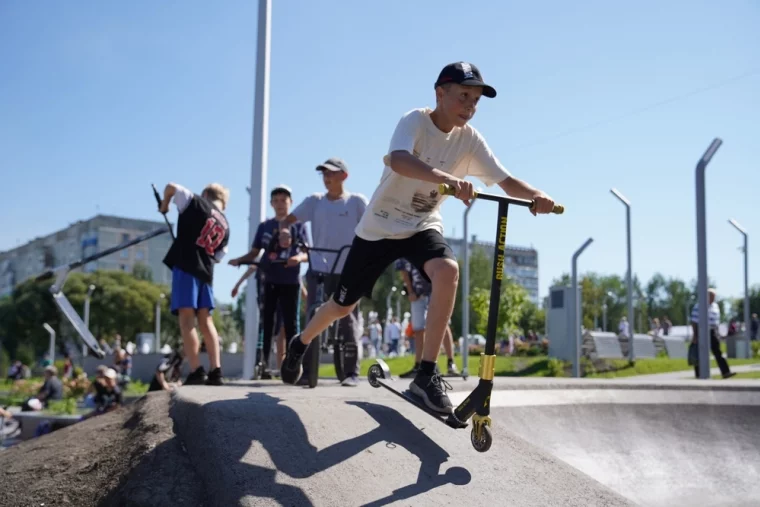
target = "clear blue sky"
x: 143, y: 92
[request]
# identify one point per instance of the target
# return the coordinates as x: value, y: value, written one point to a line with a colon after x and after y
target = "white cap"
x: 110, y: 373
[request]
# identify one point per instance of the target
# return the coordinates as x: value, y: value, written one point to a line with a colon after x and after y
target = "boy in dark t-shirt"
x: 201, y: 242
x: 279, y: 282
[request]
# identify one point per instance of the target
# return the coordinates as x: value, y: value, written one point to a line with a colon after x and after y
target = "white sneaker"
x: 350, y: 381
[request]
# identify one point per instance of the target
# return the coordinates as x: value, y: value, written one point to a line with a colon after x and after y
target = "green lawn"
x: 505, y: 366
x: 541, y: 366
x: 621, y: 368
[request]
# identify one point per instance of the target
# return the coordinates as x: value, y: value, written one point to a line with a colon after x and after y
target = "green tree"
x: 737, y: 305
x: 481, y: 268
x: 120, y: 304
x: 142, y: 272
x: 512, y: 301
x: 532, y: 318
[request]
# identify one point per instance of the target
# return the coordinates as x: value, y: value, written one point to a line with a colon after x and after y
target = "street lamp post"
x: 87, y: 297
x: 703, y: 345
x: 52, y: 341
x: 746, y: 278
x: 259, y: 158
x: 577, y: 311
x: 629, y: 275
x: 158, y: 322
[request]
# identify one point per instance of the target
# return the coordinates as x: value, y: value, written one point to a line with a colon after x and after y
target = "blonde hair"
x: 216, y: 192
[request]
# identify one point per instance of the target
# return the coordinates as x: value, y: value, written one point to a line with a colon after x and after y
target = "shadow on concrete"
x: 279, y: 430
x: 397, y: 430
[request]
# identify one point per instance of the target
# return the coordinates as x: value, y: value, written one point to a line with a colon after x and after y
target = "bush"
x: 520, y: 349
x: 556, y: 368
x: 476, y: 350
x: 136, y: 388
x: 587, y: 367
x: 67, y: 406
x: 544, y: 344
x: 75, y: 388
x: 534, y: 350
x: 755, y: 348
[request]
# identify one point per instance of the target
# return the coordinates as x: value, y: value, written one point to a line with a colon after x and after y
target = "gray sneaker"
x: 350, y: 381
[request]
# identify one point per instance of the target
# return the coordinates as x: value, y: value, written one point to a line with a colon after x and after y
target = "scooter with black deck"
x: 478, y: 404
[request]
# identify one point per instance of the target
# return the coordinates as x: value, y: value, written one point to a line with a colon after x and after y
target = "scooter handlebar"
x: 445, y: 189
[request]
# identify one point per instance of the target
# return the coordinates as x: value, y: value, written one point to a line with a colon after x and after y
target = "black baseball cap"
x: 465, y: 74
x: 334, y: 165
x: 281, y: 189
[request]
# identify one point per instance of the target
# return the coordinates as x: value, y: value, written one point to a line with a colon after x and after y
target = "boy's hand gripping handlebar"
x: 445, y: 189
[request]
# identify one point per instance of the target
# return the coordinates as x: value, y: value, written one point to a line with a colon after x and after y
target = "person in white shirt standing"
x: 428, y: 148
x: 713, y: 321
x: 333, y: 217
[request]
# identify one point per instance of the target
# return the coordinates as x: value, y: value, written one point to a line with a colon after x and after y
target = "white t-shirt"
x: 401, y: 206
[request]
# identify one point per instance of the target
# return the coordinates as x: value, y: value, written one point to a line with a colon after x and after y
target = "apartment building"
x: 85, y: 238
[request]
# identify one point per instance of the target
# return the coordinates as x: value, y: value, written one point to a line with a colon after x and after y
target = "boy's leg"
x: 347, y: 329
x: 210, y: 335
x: 444, y: 275
x: 288, y: 307
x: 279, y: 333
x: 271, y: 297
x: 282, y: 342
x: 430, y: 253
x: 364, y: 264
x: 448, y: 346
x: 419, y: 312
x: 184, y: 304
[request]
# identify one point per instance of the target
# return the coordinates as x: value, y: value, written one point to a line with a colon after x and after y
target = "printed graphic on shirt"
x: 424, y: 203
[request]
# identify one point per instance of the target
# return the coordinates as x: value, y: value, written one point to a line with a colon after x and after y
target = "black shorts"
x: 367, y: 260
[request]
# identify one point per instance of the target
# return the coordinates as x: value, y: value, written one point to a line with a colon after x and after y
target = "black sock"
x: 451, y: 361
x: 298, y: 345
x: 427, y: 367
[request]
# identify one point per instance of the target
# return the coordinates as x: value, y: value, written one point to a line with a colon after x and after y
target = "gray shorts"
x: 419, y: 312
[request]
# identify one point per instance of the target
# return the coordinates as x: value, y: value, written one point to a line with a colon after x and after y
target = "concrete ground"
x: 556, y: 442
x: 563, y: 442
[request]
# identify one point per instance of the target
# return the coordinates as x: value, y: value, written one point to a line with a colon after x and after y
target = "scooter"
x: 478, y: 404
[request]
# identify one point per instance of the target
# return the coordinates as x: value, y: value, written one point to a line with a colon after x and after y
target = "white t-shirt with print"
x: 401, y: 206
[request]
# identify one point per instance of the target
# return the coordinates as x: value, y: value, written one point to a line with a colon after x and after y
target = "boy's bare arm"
x: 520, y: 189
x: 406, y: 164
x: 249, y: 257
x: 169, y: 192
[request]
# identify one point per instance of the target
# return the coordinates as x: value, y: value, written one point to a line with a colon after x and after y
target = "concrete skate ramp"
x: 656, y: 454
x: 269, y: 444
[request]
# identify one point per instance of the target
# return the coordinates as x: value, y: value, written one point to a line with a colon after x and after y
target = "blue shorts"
x: 189, y: 292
